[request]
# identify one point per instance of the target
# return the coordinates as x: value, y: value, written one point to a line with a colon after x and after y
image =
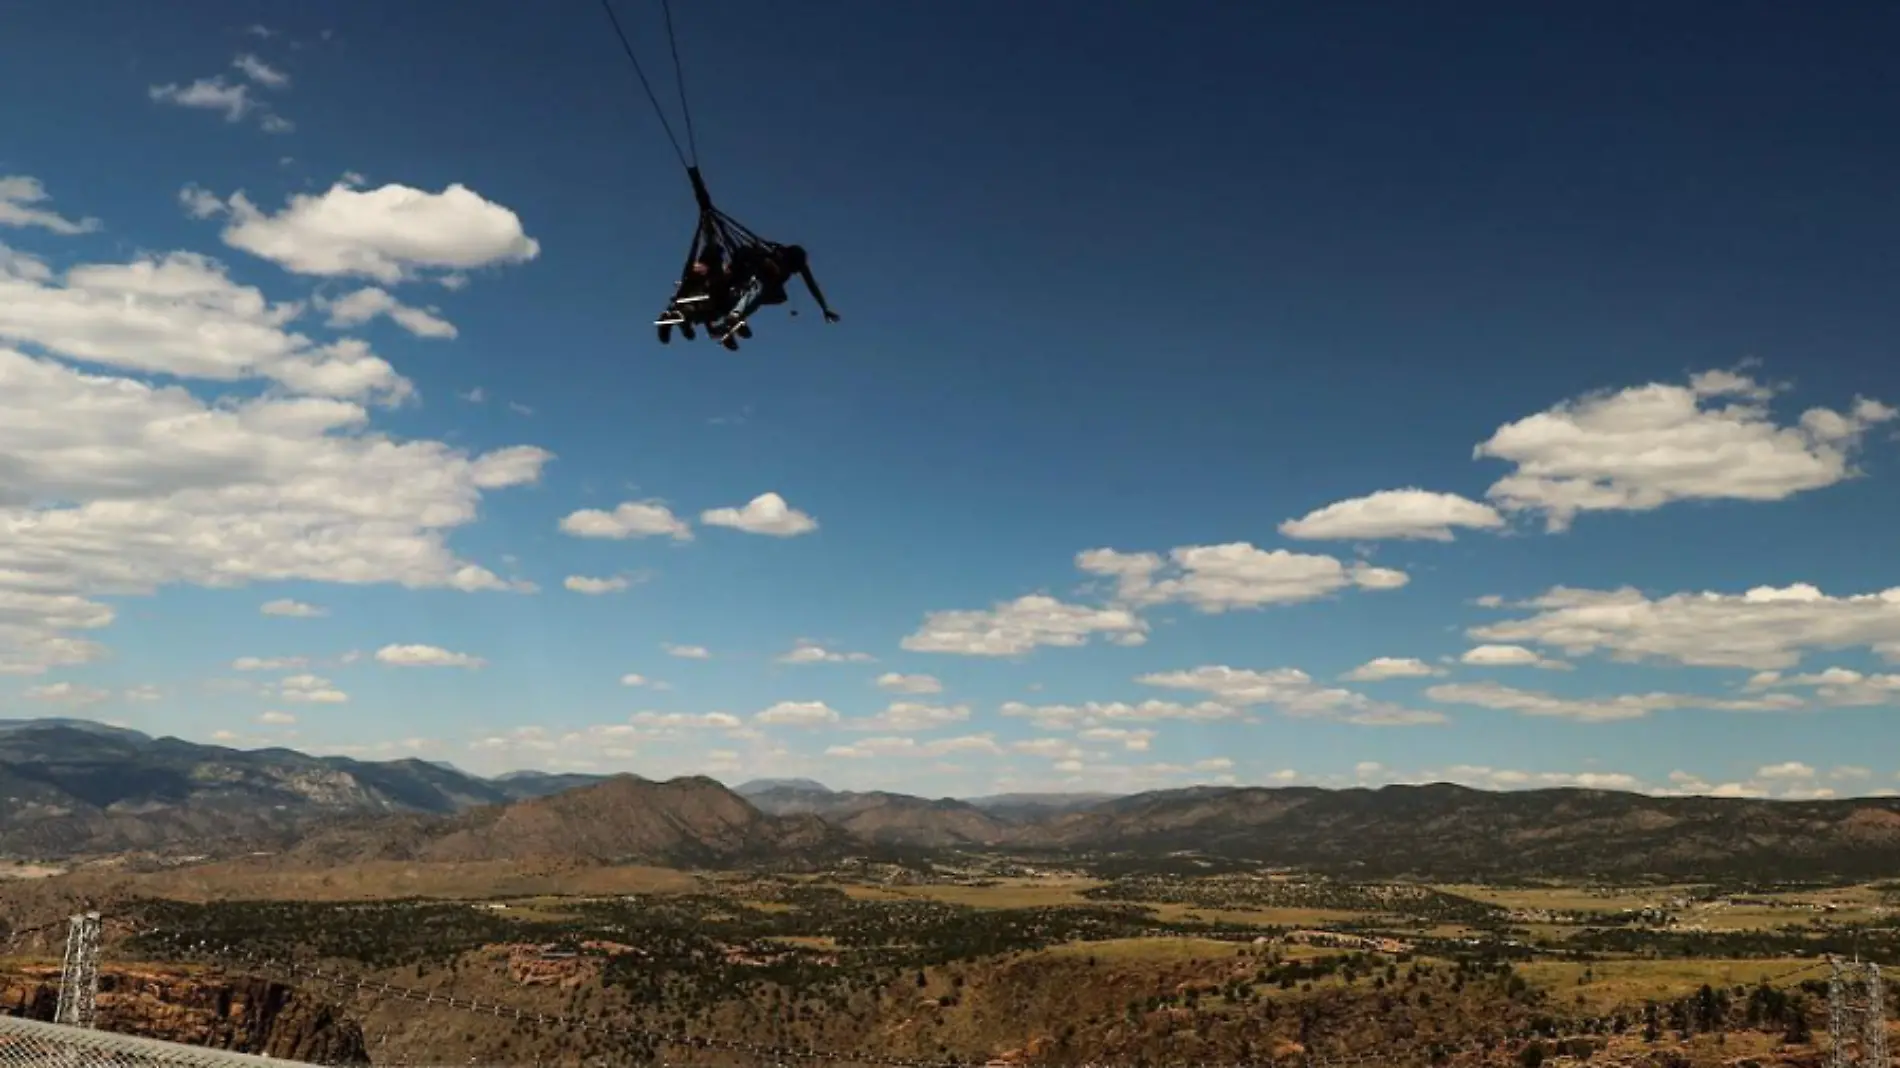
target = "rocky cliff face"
x: 240, y: 1013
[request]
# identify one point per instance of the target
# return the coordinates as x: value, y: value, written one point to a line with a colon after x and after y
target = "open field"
x: 1606, y: 985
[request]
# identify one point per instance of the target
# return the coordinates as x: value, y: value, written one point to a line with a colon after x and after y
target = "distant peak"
x: 760, y: 786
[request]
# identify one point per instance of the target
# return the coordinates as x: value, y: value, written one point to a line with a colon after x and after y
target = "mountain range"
x: 71, y: 788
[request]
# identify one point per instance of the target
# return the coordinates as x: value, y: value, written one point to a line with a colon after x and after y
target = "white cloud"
x: 1643, y: 447
x: 1594, y: 709
x: 1293, y: 693
x: 807, y: 652
x: 390, y: 234
x: 1793, y: 769
x: 668, y: 721
x: 271, y: 663
x: 633, y: 519
x: 1401, y: 513
x: 914, y: 684
x: 686, y: 652
x: 426, y: 656
x: 291, y: 609
x: 19, y: 196
x: 179, y: 314
x: 1103, y: 713
x: 66, y: 693
x: 1392, y: 667
x: 1048, y: 748
x: 1132, y: 739
x: 765, y: 514
x: 631, y: 679
x: 1509, y: 656
x: 115, y: 487
x: 1765, y: 628
x: 208, y: 94
x: 1216, y: 578
x: 261, y: 72
x: 1016, y: 627
x: 904, y: 716
x: 277, y: 719
x: 867, y: 748
x: 1837, y: 686
x: 311, y: 689
x: 594, y: 586
x: 360, y: 307
x: 798, y: 714
x: 143, y: 692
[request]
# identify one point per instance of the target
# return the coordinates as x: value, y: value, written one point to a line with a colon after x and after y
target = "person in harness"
x: 759, y: 274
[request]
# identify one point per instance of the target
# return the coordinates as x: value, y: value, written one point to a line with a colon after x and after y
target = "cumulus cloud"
x: 269, y: 663
x: 765, y: 514
x: 902, y: 746
x: 670, y: 721
x: 1509, y: 656
x: 277, y: 719
x: 310, y: 689
x: 1402, y: 513
x: 1291, y: 692
x: 209, y: 94
x: 180, y: 314
x: 291, y: 609
x: 798, y: 714
x: 261, y: 72
x: 426, y: 656
x: 594, y: 586
x: 1015, y: 627
x: 1392, y: 667
x: 1107, y: 713
x: 114, y: 487
x: 808, y: 652
x: 1217, y: 578
x: 1132, y: 739
x: 1640, y: 448
x: 21, y: 204
x: 66, y: 693
x: 1837, y: 686
x: 1764, y: 628
x: 686, y: 652
x: 906, y: 716
x: 359, y: 307
x: 391, y: 234
x: 633, y: 519
x: 1596, y: 709
x: 912, y: 684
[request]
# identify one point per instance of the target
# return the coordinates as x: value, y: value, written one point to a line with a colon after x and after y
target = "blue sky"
x: 1275, y: 394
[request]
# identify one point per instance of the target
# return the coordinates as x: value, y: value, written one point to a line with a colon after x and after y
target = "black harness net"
x: 718, y: 238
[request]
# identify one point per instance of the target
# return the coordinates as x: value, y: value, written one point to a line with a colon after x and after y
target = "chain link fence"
x: 37, y: 1044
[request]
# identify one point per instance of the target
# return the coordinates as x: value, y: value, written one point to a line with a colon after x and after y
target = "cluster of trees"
x: 1233, y: 891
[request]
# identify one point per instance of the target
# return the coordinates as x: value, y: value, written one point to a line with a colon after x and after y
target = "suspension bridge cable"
x: 652, y: 98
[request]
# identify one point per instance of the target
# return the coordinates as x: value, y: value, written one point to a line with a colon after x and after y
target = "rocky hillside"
x: 688, y: 822
x: 240, y: 1013
x: 889, y: 819
x: 72, y: 787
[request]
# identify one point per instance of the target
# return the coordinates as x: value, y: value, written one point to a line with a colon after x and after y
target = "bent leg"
x: 747, y: 302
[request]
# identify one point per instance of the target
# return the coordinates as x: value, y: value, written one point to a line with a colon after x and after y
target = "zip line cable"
x: 679, y: 78
x: 652, y: 98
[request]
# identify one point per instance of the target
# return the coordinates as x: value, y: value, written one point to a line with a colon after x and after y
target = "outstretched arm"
x: 817, y: 294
